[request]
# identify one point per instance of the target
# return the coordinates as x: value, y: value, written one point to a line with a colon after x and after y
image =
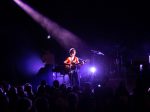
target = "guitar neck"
x: 80, y: 63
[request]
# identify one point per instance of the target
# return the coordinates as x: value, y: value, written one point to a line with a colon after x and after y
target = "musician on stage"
x: 71, y: 64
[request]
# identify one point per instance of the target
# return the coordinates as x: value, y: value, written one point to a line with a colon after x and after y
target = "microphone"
x: 100, y: 53
x: 97, y: 52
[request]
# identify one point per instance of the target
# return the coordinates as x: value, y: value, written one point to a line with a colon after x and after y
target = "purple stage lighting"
x: 149, y: 59
x: 93, y: 69
x: 63, y: 36
x: 141, y: 67
x: 30, y: 64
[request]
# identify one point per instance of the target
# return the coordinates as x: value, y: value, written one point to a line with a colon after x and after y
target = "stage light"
x: 63, y: 36
x: 99, y: 85
x: 148, y: 90
x: 141, y: 67
x: 48, y: 37
x: 93, y: 70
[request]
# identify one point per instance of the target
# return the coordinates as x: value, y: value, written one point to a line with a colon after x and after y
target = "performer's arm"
x: 67, y: 61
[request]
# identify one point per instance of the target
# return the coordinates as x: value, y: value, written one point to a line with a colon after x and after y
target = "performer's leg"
x: 71, y: 79
x: 79, y: 80
x: 76, y: 79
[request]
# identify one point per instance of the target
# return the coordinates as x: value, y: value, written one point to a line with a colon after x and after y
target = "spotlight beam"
x: 63, y: 36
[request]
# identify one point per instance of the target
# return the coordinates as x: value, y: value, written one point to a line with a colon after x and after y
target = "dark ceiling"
x: 118, y: 22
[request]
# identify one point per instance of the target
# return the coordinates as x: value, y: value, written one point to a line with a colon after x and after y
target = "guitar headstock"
x: 85, y: 61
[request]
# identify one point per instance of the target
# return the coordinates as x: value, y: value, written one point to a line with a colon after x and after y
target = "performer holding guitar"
x: 71, y: 64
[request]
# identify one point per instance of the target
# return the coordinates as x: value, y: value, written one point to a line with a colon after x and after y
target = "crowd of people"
x: 60, y: 98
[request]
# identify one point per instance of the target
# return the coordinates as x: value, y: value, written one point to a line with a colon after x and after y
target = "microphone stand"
x: 94, y: 53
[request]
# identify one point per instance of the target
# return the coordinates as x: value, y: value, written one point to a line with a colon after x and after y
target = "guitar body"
x: 74, y: 67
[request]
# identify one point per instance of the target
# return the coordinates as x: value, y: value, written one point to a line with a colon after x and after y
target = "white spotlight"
x: 141, y: 67
x: 99, y: 85
x: 93, y: 69
x: 48, y: 37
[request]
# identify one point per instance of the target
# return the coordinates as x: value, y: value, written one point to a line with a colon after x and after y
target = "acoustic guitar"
x: 74, y: 66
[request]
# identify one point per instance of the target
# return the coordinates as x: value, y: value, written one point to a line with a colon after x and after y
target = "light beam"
x: 63, y: 36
